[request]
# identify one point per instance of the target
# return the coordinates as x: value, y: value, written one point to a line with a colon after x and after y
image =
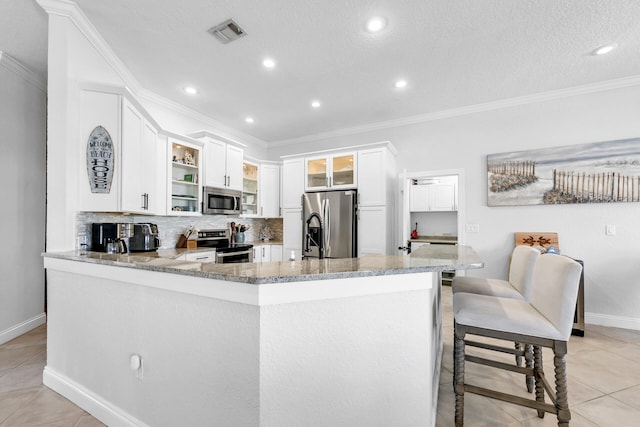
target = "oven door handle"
x: 226, y: 254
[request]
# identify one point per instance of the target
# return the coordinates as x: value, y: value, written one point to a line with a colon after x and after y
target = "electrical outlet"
x: 610, y: 230
x: 473, y: 228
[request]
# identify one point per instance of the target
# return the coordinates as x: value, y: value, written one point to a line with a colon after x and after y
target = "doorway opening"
x: 435, y: 200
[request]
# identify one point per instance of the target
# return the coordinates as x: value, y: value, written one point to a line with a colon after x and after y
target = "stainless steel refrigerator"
x: 337, y: 212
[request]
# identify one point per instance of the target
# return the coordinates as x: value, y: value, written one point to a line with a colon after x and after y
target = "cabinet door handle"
x: 261, y: 211
x: 263, y: 252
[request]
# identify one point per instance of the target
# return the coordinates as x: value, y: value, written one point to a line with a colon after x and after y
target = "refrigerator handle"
x: 327, y: 225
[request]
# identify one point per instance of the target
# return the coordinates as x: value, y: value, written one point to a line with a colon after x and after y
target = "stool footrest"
x: 500, y: 365
x: 523, y: 401
x: 494, y: 347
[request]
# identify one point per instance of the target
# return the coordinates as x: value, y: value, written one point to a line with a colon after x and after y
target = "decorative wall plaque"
x: 100, y: 160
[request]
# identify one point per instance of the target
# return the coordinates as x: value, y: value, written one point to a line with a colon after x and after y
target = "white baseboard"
x: 612, y: 321
x: 22, y: 328
x: 98, y: 407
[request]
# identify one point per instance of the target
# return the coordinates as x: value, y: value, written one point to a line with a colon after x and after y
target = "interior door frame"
x: 404, y: 183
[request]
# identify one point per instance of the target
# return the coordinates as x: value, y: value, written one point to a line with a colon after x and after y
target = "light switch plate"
x: 610, y: 230
x: 473, y: 228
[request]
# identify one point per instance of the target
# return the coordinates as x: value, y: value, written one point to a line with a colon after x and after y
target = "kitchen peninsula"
x: 149, y: 340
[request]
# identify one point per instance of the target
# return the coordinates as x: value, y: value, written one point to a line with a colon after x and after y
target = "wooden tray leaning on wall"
x: 537, y: 238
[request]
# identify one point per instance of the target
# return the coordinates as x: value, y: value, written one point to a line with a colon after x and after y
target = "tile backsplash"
x: 170, y: 227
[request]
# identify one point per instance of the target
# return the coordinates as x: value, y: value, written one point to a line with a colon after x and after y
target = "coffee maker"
x: 144, y: 238
x: 110, y: 236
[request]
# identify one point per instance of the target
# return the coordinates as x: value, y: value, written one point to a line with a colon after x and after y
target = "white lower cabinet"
x: 267, y: 253
x: 204, y: 256
x: 292, y: 232
x: 373, y: 231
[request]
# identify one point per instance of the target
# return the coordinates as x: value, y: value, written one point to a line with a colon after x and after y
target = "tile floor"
x: 604, y: 384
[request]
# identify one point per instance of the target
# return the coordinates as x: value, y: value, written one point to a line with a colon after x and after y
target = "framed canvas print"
x: 599, y: 172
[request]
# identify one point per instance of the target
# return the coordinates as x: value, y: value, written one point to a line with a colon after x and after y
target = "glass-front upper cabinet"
x: 185, y: 184
x: 331, y: 172
x: 249, y: 189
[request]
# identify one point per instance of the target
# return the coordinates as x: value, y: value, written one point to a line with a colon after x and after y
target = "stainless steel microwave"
x: 221, y: 201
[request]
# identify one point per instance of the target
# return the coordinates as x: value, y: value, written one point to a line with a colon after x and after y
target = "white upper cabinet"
x: 334, y: 172
x: 376, y: 172
x: 434, y: 195
x: 269, y: 191
x: 250, y: 189
x: 261, y: 190
x: 129, y: 168
x: 222, y: 165
x: 293, y: 180
x: 185, y: 170
x: 139, y: 145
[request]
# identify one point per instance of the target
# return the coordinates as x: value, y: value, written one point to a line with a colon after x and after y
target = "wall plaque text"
x: 100, y: 160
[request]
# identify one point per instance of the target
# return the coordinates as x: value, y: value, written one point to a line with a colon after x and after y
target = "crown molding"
x: 21, y: 70
x: 471, y: 109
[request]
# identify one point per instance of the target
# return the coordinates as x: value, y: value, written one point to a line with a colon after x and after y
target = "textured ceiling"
x: 453, y: 53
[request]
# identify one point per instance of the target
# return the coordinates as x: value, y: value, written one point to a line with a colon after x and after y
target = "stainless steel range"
x: 226, y: 252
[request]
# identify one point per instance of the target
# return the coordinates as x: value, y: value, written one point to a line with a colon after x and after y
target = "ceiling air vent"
x: 227, y: 32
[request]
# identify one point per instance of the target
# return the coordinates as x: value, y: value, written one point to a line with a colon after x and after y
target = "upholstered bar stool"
x: 523, y: 259
x: 543, y: 321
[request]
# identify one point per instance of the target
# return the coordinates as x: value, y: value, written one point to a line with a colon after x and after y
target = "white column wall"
x: 22, y: 196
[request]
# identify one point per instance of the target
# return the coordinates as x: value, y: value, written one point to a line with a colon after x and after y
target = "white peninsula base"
x: 336, y: 352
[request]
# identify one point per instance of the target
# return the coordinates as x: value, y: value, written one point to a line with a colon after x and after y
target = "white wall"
x: 22, y: 196
x: 612, y: 271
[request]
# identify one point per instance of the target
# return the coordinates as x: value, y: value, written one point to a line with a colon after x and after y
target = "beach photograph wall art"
x: 599, y: 172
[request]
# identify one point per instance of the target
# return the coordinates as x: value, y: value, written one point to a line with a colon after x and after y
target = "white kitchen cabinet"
x: 267, y: 253
x: 222, y: 165
x: 134, y: 172
x: 292, y: 232
x: 433, y: 197
x: 250, y: 189
x: 331, y: 172
x: 139, y: 144
x: 376, y: 176
x: 261, y: 190
x: 269, y: 190
x: 203, y: 256
x: 376, y: 181
x: 185, y: 193
x: 276, y: 253
x: 373, y: 230
x: 292, y: 183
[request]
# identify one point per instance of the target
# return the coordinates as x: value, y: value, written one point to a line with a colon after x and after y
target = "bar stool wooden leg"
x: 537, y: 366
x: 562, y: 402
x: 528, y: 357
x: 458, y: 368
x: 518, y: 348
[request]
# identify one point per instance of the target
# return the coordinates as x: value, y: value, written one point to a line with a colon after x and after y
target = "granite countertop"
x: 425, y: 259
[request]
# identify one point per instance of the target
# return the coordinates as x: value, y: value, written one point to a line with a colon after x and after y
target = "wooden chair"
x: 543, y: 321
x: 523, y: 260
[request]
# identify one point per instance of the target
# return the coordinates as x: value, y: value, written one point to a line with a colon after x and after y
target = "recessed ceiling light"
x: 315, y: 104
x: 269, y: 63
x: 376, y: 24
x: 249, y: 120
x: 602, y: 50
x: 400, y: 84
x: 190, y: 90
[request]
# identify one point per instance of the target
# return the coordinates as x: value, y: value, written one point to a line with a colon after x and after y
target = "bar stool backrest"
x: 523, y: 260
x: 554, y: 290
